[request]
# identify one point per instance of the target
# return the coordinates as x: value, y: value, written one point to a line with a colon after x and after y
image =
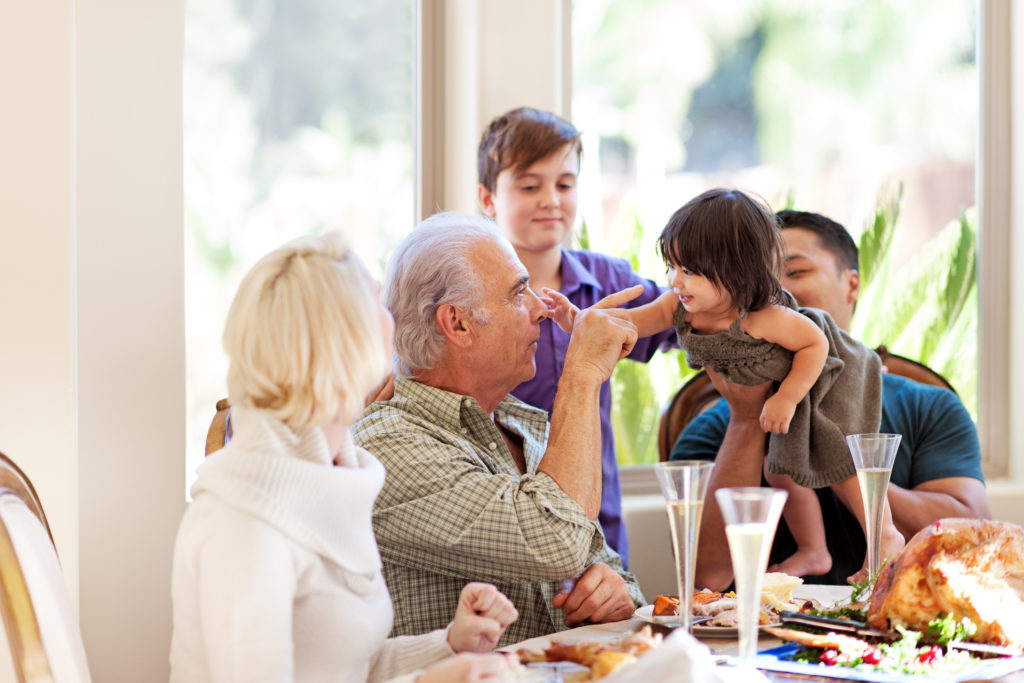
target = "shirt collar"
x: 575, y: 275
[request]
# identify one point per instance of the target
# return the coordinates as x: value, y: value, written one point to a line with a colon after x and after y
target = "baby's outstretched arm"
x: 560, y: 309
x: 564, y: 312
x: 796, y: 332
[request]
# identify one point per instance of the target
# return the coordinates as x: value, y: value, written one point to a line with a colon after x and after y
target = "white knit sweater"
x: 276, y: 571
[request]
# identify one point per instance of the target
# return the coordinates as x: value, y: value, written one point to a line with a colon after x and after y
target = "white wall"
x: 91, y: 302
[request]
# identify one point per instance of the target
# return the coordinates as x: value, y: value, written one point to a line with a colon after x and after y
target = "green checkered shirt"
x: 454, y: 509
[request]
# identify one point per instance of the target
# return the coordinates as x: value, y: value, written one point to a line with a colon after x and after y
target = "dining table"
x: 725, y: 645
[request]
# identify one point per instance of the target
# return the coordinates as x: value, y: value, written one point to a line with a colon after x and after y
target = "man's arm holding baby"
x: 739, y: 462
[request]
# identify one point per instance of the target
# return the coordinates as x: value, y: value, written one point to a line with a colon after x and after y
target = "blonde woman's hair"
x: 303, y: 334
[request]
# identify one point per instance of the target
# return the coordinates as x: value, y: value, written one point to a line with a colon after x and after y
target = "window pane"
x: 298, y: 119
x: 833, y: 107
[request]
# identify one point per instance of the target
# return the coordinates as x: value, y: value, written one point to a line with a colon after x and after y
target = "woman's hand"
x: 466, y: 668
x: 482, y: 615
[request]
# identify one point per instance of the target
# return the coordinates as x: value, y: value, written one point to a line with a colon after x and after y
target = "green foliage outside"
x: 926, y: 310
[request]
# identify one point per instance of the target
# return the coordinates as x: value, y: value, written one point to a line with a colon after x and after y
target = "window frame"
x: 1001, y: 314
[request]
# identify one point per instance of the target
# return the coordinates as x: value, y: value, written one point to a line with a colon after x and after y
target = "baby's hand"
x: 777, y: 414
x: 560, y: 309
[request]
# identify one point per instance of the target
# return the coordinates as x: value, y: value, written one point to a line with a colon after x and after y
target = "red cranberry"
x: 929, y: 655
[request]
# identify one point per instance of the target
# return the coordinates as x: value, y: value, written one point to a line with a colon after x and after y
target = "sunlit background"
x: 298, y: 119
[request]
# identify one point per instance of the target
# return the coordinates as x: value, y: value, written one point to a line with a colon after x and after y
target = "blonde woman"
x: 276, y: 574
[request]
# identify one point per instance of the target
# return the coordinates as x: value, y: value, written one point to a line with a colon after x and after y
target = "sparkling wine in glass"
x: 684, y: 483
x: 751, y: 516
x: 873, y: 455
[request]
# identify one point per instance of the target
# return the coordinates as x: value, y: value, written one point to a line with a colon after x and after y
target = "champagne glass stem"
x: 684, y: 521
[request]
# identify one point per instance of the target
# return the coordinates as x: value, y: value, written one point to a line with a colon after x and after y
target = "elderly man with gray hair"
x: 481, y: 486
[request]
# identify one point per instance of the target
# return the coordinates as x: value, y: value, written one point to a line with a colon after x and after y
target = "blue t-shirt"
x: 939, y: 440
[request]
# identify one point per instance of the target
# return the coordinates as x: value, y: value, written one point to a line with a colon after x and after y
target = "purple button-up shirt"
x: 588, y: 277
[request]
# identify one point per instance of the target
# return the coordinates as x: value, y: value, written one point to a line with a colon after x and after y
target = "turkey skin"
x: 961, y: 568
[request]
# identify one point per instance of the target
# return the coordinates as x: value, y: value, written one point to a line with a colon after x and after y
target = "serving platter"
x: 646, y: 613
x: 776, y: 659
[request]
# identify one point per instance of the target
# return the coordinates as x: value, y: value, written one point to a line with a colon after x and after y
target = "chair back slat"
x: 43, y: 633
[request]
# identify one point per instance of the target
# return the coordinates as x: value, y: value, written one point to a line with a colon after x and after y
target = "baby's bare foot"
x: 805, y: 562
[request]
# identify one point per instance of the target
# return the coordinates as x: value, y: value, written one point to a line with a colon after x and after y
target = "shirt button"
x: 464, y: 430
x: 492, y: 445
x: 467, y: 402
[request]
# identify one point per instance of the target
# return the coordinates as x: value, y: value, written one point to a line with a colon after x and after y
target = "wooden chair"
x: 220, y: 429
x: 42, y: 629
x: 699, y: 393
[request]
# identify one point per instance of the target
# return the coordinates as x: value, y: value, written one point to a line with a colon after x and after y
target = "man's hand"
x: 598, y: 596
x: 745, y: 402
x: 482, y: 615
x: 599, y: 339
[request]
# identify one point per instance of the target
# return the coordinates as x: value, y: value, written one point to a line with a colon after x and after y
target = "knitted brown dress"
x: 846, y: 398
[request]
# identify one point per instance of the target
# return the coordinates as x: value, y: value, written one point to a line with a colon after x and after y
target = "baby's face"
x: 535, y: 207
x: 696, y: 292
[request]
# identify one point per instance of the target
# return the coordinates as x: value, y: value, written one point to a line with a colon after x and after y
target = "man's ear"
x: 852, y: 286
x: 455, y: 324
x: 485, y: 198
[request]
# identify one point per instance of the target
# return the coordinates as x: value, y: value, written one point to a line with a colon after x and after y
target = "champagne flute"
x: 751, y: 516
x: 684, y: 483
x: 873, y: 455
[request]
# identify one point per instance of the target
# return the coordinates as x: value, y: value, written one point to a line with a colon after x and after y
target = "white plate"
x: 646, y: 613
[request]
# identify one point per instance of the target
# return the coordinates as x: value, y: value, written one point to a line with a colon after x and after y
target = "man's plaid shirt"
x: 454, y: 509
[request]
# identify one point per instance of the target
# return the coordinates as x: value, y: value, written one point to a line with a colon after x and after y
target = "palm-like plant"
x: 926, y: 310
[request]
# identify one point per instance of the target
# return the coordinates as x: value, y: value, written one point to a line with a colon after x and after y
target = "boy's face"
x: 536, y: 206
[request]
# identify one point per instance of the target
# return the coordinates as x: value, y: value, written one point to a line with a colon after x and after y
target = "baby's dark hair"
x: 731, y: 239
x: 519, y: 138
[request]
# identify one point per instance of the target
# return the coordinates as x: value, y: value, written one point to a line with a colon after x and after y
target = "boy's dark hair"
x: 520, y: 137
x: 833, y: 236
x: 731, y: 239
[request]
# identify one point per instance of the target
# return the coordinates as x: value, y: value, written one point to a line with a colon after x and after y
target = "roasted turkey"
x: 957, y: 567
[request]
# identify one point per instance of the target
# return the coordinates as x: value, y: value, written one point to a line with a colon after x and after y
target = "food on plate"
x: 607, y: 662
x: 601, y: 657
x: 730, y: 618
x: 668, y: 605
x: 776, y: 595
x: 777, y: 590
x: 956, y: 568
x: 937, y: 651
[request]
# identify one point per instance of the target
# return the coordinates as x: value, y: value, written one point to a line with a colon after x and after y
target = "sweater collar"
x: 287, y: 478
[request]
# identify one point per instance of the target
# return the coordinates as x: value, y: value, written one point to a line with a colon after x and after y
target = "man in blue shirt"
x: 937, y: 472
